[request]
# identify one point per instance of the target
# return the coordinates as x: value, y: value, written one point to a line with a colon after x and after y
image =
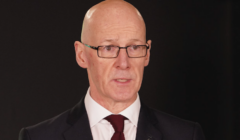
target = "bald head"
x: 111, y: 15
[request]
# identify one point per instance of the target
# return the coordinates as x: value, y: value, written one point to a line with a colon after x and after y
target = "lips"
x: 122, y: 80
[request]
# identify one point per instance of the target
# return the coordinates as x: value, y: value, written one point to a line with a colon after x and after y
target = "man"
x: 114, y: 51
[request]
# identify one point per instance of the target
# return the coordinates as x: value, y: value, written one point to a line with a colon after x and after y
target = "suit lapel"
x: 80, y: 129
x: 78, y: 119
x: 147, y: 125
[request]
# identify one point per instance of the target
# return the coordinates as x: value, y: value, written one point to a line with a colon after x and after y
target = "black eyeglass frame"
x: 96, y: 48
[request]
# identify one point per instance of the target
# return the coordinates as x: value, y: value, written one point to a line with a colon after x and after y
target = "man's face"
x: 115, y: 79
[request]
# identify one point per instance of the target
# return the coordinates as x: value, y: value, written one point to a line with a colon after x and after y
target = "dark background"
x: 193, y: 72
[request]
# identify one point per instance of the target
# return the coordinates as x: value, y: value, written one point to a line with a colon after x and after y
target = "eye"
x: 108, y: 48
x: 135, y: 47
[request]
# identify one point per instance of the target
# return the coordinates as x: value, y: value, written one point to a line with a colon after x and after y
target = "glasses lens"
x: 108, y: 51
x: 137, y: 50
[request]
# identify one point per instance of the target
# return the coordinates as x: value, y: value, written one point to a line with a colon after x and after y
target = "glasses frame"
x: 96, y: 48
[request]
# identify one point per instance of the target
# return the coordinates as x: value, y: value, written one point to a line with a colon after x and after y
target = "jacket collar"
x: 78, y: 120
x: 148, y: 128
x: 80, y: 128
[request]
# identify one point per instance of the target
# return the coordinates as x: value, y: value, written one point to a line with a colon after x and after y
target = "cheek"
x: 139, y: 68
x: 100, y: 71
x: 94, y: 68
x: 90, y: 55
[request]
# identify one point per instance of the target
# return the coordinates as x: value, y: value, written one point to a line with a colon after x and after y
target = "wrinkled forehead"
x: 113, y: 21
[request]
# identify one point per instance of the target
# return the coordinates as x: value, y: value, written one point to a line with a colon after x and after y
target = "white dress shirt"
x: 101, y: 129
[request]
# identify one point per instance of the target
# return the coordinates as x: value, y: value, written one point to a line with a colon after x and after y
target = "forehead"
x: 117, y: 30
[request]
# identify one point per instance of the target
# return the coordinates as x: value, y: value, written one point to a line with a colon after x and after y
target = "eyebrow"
x: 112, y: 40
x: 108, y: 40
x: 136, y: 40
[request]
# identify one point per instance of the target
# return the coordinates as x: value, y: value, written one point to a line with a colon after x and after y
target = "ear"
x: 80, y: 54
x: 147, y: 58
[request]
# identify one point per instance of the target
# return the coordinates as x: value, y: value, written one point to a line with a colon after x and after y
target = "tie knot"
x: 117, y: 122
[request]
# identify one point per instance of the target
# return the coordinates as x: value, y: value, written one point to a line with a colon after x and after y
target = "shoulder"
x: 53, y: 129
x: 46, y: 129
x: 167, y: 119
x: 173, y: 127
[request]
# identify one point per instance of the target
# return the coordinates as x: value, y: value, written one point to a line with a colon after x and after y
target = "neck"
x: 113, y: 106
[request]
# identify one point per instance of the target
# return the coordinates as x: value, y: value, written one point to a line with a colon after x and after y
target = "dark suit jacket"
x: 74, y: 125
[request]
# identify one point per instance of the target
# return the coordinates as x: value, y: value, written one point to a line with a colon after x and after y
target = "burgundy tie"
x: 117, y: 122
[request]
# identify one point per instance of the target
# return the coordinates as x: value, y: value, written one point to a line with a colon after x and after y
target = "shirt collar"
x: 96, y: 112
x: 132, y: 112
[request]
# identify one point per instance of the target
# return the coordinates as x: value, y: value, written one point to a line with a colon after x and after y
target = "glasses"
x: 111, y: 51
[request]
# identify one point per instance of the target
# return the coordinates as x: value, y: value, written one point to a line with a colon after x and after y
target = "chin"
x: 124, y: 95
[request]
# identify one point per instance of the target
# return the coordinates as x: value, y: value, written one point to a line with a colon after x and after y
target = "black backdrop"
x: 193, y: 72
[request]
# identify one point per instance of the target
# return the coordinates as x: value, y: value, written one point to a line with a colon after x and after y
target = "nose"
x: 122, y: 61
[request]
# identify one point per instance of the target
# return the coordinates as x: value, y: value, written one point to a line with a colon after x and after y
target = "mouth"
x: 122, y: 81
